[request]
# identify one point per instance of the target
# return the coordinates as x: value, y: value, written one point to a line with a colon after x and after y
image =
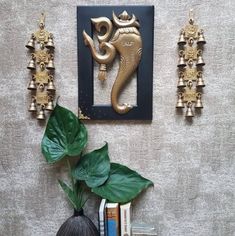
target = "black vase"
x: 78, y: 225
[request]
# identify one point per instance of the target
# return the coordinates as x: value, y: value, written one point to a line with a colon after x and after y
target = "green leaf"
x: 70, y: 194
x: 123, y: 184
x: 93, y: 167
x: 65, y: 135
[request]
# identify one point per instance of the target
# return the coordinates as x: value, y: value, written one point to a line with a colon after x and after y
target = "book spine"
x: 102, y: 218
x: 102, y: 228
x: 125, y: 216
x: 112, y: 216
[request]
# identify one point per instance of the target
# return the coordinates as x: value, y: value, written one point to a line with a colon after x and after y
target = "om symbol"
x: 125, y: 40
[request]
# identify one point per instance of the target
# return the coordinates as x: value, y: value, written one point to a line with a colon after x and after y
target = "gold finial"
x: 191, y: 16
x: 124, y: 16
x: 42, y: 20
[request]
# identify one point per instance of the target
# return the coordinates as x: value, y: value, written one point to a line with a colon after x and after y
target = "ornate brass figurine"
x: 126, y: 40
x: 190, y: 66
x: 41, y: 65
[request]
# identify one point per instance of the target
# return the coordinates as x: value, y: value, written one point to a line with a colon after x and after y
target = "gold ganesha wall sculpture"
x: 124, y: 39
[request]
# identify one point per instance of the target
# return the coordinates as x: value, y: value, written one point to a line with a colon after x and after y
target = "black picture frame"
x: 143, y: 110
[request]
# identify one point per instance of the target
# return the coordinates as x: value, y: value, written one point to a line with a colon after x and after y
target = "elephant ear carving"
x: 139, y: 52
x: 115, y: 37
x: 122, y: 63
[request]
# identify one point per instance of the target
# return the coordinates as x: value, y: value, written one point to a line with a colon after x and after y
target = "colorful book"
x: 112, y: 219
x: 125, y: 219
x: 102, y: 218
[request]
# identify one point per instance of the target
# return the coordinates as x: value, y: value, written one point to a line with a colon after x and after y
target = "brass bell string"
x: 42, y: 67
x: 190, y: 82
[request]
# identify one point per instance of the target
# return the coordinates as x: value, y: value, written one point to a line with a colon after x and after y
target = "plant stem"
x: 76, y: 187
x: 80, y: 197
x: 71, y: 176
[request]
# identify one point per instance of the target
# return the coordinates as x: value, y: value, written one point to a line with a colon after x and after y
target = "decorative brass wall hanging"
x: 126, y: 40
x: 190, y: 67
x: 42, y: 68
x: 124, y: 32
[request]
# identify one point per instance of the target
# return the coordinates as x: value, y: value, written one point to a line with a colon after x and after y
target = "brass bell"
x: 201, y: 38
x: 31, y: 65
x: 50, y: 65
x: 51, y: 86
x: 50, y: 44
x: 180, y: 103
x: 33, y: 106
x: 189, y: 112
x: 200, y: 61
x: 30, y: 44
x: 181, y: 62
x: 32, y: 85
x: 50, y: 106
x: 199, y: 101
x: 41, y: 115
x: 200, y: 82
x: 182, y: 40
x: 181, y: 82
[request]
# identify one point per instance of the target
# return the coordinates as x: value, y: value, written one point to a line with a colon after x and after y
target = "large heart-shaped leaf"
x: 123, y: 185
x: 93, y: 167
x: 65, y: 135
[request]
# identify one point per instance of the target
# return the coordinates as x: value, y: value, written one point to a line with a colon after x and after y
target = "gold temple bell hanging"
x: 190, y: 67
x: 42, y: 67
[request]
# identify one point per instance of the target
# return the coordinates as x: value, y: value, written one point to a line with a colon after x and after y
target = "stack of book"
x: 114, y: 219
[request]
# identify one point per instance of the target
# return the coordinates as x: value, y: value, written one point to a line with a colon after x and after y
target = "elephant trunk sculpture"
x: 127, y: 42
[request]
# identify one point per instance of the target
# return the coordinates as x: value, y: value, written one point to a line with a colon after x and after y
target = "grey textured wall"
x: 191, y: 164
